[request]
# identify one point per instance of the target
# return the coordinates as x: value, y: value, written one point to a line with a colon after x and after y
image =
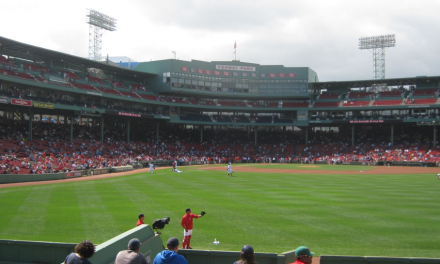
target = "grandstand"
x: 102, y: 115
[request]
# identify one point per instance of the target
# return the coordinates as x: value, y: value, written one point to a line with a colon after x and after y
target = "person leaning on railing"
x: 83, y: 251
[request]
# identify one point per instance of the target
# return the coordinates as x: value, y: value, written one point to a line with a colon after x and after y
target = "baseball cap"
x: 134, y: 244
x: 172, y: 242
x: 141, y: 215
x: 247, y: 250
x: 302, y: 250
x: 188, y: 209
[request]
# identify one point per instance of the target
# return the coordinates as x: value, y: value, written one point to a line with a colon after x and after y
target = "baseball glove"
x: 203, y: 213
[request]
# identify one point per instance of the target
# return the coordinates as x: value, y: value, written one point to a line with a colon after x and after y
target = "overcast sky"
x: 320, y: 34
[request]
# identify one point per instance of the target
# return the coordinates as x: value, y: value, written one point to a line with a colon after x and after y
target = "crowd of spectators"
x: 51, y: 149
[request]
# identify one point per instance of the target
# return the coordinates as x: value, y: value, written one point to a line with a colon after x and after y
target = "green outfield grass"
x: 359, y: 215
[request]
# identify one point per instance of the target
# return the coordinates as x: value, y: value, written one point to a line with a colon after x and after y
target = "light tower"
x: 98, y: 24
x: 378, y: 45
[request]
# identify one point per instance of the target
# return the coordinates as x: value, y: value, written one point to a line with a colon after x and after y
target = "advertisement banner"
x: 118, y: 113
x: 4, y: 100
x: 302, y: 115
x: 21, y: 102
x: 44, y: 105
x: 73, y: 174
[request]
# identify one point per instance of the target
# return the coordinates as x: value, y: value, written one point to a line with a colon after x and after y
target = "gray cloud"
x: 319, y: 34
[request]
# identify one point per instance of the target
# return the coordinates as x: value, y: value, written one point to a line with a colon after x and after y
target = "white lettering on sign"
x: 235, y: 68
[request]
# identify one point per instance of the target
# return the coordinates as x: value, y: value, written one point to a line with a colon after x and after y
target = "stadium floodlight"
x: 98, y: 24
x: 378, y: 45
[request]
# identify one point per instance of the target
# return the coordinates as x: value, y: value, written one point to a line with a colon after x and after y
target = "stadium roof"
x: 369, y: 83
x: 25, y: 51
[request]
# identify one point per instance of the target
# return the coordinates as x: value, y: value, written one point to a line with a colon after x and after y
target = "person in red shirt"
x: 187, y: 224
x: 303, y: 255
x: 141, y: 220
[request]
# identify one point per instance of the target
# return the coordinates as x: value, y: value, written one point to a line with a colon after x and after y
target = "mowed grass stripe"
x: 63, y: 215
x: 29, y: 221
x: 10, y: 201
x: 97, y: 221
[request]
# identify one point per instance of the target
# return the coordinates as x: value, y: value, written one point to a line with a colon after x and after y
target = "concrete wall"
x: 20, y: 252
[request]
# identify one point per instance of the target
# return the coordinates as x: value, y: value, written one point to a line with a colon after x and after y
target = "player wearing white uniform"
x: 151, y: 168
x: 230, y: 170
x: 175, y: 167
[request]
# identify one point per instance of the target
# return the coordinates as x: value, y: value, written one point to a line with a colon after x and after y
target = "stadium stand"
x: 66, y: 119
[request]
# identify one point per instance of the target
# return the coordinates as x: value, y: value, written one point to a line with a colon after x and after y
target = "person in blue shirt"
x: 169, y: 255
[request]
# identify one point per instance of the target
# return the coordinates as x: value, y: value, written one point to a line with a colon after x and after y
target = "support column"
x: 157, y: 132
x: 201, y: 133
x: 128, y: 131
x: 307, y: 135
x: 392, y: 135
x: 102, y: 129
x: 352, y: 135
x: 31, y: 118
x: 435, y: 134
x: 255, y: 130
x: 72, y: 119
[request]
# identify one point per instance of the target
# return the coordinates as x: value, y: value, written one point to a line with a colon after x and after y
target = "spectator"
x: 132, y: 255
x: 169, y: 255
x: 247, y: 256
x: 303, y: 255
x: 83, y: 251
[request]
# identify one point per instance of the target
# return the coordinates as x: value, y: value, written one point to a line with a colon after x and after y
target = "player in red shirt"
x: 141, y: 220
x: 187, y: 224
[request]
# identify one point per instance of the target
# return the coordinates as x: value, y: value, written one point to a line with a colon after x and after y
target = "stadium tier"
x: 57, y: 108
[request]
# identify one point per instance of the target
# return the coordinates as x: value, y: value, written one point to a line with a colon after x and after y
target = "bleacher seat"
x: 356, y: 103
x: 326, y: 104
x: 387, y: 102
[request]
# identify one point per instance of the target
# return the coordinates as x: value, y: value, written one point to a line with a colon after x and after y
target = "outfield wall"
x: 325, y: 259
x: 24, y: 252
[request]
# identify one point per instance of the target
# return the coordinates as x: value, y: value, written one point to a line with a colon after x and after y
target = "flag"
x: 235, y: 45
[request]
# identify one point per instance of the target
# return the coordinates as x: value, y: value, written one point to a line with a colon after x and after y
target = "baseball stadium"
x: 346, y: 168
